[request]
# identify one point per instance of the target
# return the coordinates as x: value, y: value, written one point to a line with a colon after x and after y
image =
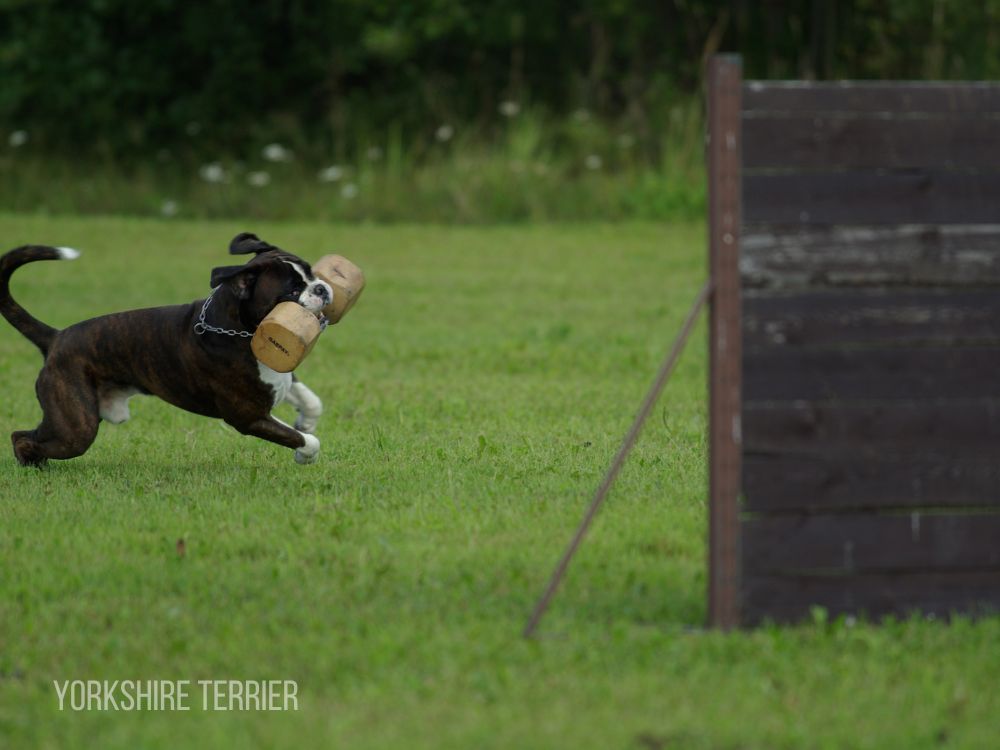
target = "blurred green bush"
x: 334, y: 76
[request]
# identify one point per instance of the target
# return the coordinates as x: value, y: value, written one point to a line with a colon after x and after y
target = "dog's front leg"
x: 306, y: 403
x: 306, y: 446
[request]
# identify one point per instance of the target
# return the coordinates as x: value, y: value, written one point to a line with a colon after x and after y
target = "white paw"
x: 308, y: 452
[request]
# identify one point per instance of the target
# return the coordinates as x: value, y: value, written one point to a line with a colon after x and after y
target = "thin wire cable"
x: 647, y: 406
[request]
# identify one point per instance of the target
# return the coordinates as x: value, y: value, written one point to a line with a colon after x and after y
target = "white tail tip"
x: 68, y: 253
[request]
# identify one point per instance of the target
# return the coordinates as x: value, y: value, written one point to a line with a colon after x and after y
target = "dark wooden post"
x: 725, y: 81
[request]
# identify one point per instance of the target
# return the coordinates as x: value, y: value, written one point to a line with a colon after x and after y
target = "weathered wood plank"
x: 847, y: 317
x: 965, y: 427
x: 800, y: 142
x: 891, y: 97
x: 866, y: 543
x: 871, y: 197
x: 865, y: 478
x: 903, y: 373
x: 791, y: 598
x: 781, y: 257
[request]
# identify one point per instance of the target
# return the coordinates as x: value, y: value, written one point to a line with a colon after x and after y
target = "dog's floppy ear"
x: 239, y: 279
x: 245, y: 243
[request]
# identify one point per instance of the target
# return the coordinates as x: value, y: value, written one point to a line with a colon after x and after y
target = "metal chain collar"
x: 201, y: 326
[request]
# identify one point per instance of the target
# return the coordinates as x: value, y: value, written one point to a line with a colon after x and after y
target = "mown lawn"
x: 473, y: 399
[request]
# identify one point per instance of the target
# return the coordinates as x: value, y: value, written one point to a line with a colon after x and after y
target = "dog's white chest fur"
x: 280, y: 382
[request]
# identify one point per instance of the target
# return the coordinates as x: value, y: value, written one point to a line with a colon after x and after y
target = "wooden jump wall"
x: 854, y: 347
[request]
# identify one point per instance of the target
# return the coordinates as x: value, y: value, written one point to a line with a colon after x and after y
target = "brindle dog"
x: 196, y: 356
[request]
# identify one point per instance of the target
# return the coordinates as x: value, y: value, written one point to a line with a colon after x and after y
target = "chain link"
x: 201, y: 326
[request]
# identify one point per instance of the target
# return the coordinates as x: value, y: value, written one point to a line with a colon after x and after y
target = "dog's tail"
x: 35, y: 331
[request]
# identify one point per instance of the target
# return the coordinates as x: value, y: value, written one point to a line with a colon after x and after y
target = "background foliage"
x: 116, y: 74
x: 559, y: 89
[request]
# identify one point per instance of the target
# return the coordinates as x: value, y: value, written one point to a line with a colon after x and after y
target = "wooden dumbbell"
x: 286, y: 336
x: 346, y: 280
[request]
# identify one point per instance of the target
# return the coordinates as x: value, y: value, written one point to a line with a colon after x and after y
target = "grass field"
x: 473, y: 399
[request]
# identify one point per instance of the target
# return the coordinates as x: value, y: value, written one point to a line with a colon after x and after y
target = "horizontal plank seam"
x: 757, y: 234
x: 844, y: 574
x: 875, y: 291
x: 751, y: 280
x: 915, y: 171
x: 920, y: 115
x: 867, y: 403
x: 939, y: 343
x: 854, y: 445
x: 868, y: 511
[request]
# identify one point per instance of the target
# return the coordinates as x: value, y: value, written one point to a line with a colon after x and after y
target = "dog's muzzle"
x: 316, y: 296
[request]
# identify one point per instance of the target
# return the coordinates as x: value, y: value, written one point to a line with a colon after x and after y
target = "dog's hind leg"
x: 69, y: 422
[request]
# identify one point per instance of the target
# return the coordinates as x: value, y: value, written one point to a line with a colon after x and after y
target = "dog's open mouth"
x: 317, y: 311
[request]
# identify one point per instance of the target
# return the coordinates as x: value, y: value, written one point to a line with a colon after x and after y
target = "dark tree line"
x: 128, y: 75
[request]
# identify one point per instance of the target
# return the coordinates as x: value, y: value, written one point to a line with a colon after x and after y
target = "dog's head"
x: 272, y: 276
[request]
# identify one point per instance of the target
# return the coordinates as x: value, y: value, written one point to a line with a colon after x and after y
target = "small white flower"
x: 509, y: 108
x: 593, y: 162
x: 212, y: 172
x: 169, y: 208
x: 18, y: 138
x: 581, y: 115
x: 259, y: 179
x: 331, y: 174
x: 444, y: 133
x: 626, y: 141
x: 349, y: 191
x: 276, y: 152
x: 374, y: 153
